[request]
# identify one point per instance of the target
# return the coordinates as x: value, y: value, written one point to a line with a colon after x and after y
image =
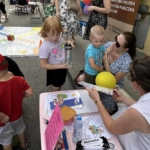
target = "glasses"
x: 54, y: 35
x: 117, y: 43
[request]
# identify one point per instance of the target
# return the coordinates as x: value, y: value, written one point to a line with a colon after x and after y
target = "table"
x: 26, y: 42
x: 69, y: 134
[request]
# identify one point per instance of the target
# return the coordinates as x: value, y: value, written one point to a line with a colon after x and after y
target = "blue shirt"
x: 97, y: 54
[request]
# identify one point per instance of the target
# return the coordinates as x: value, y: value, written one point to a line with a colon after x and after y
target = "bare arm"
x: 45, y: 65
x: 93, y: 65
x: 105, y: 10
x: 123, y: 124
x: 80, y: 11
x: 28, y: 92
x: 57, y: 8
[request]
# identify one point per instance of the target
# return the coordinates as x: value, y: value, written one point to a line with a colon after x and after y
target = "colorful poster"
x: 122, y: 17
x: 54, y: 128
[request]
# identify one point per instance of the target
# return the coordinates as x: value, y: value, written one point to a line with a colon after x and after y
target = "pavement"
x: 36, y: 76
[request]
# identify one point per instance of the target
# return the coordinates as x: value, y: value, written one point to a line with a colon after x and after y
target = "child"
x: 93, y: 54
x: 131, y: 126
x: 12, y: 91
x: 52, y: 53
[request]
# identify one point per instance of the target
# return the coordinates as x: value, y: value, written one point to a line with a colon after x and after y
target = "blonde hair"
x: 97, y: 30
x: 51, y: 23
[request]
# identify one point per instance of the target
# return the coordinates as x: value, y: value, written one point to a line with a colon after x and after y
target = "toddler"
x: 12, y: 91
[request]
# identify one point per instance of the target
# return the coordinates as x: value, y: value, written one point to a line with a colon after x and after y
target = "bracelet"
x: 97, y: 101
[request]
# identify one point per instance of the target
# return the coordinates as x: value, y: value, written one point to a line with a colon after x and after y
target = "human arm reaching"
x: 105, y: 10
x: 117, y: 95
x: 129, y: 121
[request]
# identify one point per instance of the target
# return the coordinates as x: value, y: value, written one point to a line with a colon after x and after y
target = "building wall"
x: 142, y: 27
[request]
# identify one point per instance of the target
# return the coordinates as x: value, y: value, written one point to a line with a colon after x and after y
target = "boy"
x: 94, y: 53
x: 12, y: 91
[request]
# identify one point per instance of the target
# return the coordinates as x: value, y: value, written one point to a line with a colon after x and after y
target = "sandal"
x: 75, y: 79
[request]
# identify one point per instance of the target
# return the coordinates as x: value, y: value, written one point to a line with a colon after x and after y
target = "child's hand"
x: 4, y: 119
x: 65, y: 66
x: 69, y: 42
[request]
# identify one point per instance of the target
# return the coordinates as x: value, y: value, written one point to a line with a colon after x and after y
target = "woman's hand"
x: 90, y: 8
x: 94, y: 95
x: 117, y: 95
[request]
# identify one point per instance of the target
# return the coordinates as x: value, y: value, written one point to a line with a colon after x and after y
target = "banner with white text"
x: 121, y: 18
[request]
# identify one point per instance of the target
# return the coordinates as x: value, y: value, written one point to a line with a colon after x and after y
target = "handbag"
x: 73, y: 6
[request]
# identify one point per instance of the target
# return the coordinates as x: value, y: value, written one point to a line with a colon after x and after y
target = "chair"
x: 21, y: 7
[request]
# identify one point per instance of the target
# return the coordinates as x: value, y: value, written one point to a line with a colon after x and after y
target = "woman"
x: 99, y: 10
x: 117, y: 62
x: 133, y: 125
x: 68, y: 18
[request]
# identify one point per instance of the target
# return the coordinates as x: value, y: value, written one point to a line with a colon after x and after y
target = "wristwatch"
x: 97, y: 101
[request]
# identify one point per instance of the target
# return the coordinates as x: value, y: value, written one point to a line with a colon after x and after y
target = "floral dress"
x: 95, y: 18
x: 120, y: 65
x: 69, y: 19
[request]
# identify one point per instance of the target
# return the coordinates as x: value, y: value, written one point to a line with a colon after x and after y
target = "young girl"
x: 52, y: 53
x: 133, y: 126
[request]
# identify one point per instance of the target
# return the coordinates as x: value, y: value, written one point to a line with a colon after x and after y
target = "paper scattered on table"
x: 68, y: 95
x: 98, y: 88
x: 93, y: 127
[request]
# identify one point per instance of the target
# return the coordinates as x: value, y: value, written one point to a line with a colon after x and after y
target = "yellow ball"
x: 105, y: 79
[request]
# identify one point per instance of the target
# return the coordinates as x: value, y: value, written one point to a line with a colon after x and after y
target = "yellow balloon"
x: 105, y: 79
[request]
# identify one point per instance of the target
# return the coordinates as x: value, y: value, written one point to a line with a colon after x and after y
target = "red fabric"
x: 3, y: 63
x: 11, y: 96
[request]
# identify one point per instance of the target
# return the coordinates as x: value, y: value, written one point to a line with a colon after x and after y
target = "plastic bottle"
x: 77, y: 130
x: 68, y: 54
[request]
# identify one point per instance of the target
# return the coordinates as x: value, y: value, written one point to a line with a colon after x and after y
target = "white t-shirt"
x: 137, y: 140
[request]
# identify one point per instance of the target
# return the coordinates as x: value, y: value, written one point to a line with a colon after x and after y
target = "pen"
x: 65, y: 140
